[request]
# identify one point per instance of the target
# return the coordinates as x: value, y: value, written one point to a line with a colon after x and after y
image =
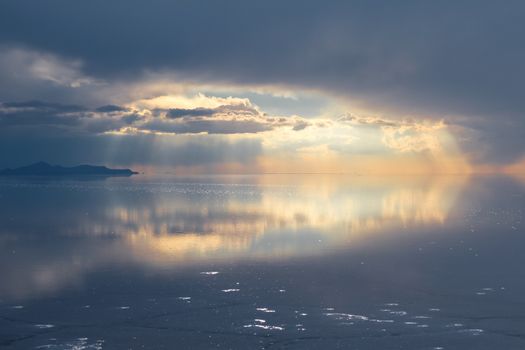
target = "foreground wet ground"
x: 251, y: 263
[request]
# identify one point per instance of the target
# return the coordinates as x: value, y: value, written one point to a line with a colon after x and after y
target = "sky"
x: 256, y: 87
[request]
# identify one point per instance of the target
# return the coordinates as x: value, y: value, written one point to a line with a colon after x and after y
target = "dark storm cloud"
x: 209, y: 126
x: 43, y: 106
x: 38, y: 113
x: 499, y: 140
x: 436, y: 57
x: 111, y: 108
x: 300, y: 125
x: 33, y: 119
x: 47, y: 115
x: 472, y: 47
x: 195, y: 112
x: 224, y: 119
x: 232, y: 109
x: 131, y: 118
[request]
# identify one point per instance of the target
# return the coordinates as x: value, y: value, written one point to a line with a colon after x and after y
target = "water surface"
x: 262, y: 262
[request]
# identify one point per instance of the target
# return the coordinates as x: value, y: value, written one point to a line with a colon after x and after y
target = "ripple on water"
x: 380, y: 321
x: 44, y: 326
x: 77, y: 344
x: 398, y: 313
x: 345, y: 317
x: 474, y: 331
x: 264, y: 326
x: 454, y: 325
x: 265, y: 309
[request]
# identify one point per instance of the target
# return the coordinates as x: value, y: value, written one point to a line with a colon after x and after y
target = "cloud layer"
x: 461, y: 62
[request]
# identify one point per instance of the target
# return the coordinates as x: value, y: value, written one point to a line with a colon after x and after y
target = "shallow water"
x: 262, y: 262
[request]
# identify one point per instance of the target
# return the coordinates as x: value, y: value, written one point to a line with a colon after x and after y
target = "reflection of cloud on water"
x: 173, y: 229
x: 291, y: 222
x: 43, y: 270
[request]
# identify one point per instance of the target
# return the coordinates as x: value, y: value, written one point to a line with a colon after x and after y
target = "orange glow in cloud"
x: 352, y: 143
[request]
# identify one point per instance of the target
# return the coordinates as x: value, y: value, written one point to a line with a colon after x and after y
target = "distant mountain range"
x: 45, y: 169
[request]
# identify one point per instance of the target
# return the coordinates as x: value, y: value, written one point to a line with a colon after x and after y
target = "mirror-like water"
x: 273, y: 261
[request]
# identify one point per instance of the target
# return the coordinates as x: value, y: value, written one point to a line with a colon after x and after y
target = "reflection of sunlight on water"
x: 187, y: 245
x: 409, y: 206
x: 167, y: 226
x: 291, y: 220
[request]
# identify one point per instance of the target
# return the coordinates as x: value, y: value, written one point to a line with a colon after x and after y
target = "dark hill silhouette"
x: 45, y: 169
